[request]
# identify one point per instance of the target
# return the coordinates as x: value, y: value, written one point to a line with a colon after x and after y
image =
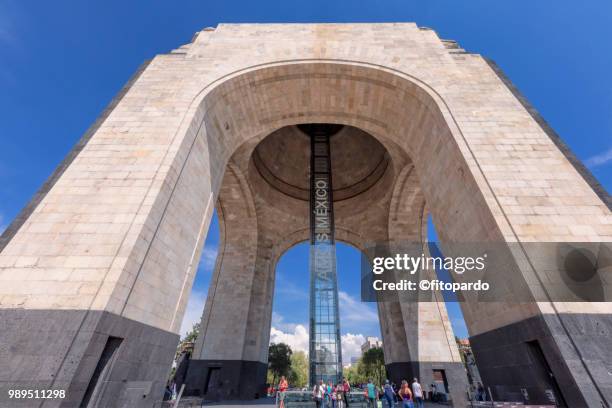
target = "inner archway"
x: 264, y: 199
x: 358, y: 320
x: 418, y: 132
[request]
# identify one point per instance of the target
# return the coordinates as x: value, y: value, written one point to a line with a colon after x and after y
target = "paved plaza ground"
x: 266, y: 402
x: 269, y: 402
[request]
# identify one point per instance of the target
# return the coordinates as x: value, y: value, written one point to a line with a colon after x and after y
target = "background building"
x: 370, y: 343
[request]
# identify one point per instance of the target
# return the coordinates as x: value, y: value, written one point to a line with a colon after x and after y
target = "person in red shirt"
x: 282, y: 387
x: 347, y: 389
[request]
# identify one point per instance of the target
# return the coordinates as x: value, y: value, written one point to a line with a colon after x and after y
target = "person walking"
x: 329, y: 394
x: 433, y: 393
x: 389, y: 394
x: 480, y: 392
x: 372, y: 394
x: 347, y: 389
x: 282, y: 388
x: 417, y: 392
x: 167, y: 393
x: 405, y: 395
x: 340, y: 395
x: 395, y: 390
x: 318, y: 392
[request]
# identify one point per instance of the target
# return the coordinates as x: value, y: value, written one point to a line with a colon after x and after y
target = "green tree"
x: 373, y: 362
x: 192, y: 335
x: 355, y: 373
x: 279, y: 360
x: 298, y: 377
x: 461, y: 350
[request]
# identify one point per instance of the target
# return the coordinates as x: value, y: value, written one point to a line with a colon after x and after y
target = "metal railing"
x: 490, y: 404
x: 304, y: 399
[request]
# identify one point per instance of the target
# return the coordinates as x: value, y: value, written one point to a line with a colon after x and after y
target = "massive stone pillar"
x: 228, y: 362
x: 429, y: 338
x: 96, y: 271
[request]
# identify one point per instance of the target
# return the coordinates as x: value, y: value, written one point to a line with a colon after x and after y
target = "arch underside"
x: 408, y: 124
x: 416, y: 132
x: 260, y: 221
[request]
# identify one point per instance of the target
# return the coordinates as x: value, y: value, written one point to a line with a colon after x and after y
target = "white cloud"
x: 296, y: 336
x: 356, y: 318
x: 599, y: 159
x: 193, y: 313
x: 286, y: 288
x: 354, y: 311
x: 351, y: 346
x: 208, y: 258
x: 297, y: 339
x: 278, y: 321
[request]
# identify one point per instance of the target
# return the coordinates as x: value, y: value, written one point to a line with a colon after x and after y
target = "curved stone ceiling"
x: 283, y: 160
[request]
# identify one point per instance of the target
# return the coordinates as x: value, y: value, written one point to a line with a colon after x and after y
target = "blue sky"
x: 61, y: 62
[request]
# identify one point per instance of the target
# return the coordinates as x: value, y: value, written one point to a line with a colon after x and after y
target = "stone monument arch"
x: 96, y: 270
x: 263, y: 211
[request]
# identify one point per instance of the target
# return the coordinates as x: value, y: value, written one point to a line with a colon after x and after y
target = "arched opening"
x: 457, y: 321
x: 431, y: 164
x: 358, y: 320
x: 263, y: 211
x: 197, y: 298
x: 190, y: 327
x: 262, y: 189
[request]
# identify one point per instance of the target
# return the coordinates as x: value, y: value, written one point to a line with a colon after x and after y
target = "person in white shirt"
x: 417, y: 393
x: 318, y: 392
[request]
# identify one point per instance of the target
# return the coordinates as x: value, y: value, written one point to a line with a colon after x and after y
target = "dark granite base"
x: 455, y: 375
x: 225, y: 379
x: 60, y: 349
x: 402, y: 371
x: 575, y: 348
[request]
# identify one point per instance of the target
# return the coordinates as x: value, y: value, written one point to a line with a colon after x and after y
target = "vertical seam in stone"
x: 198, y: 244
x: 162, y: 217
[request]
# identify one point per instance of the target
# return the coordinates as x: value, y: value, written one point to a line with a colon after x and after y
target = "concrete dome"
x: 283, y: 160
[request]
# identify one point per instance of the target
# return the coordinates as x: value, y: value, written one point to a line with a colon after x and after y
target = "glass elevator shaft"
x: 324, y: 349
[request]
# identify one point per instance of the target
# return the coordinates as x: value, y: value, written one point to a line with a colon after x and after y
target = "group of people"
x: 336, y: 395
x: 324, y: 395
x: 330, y: 395
x: 408, y: 395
